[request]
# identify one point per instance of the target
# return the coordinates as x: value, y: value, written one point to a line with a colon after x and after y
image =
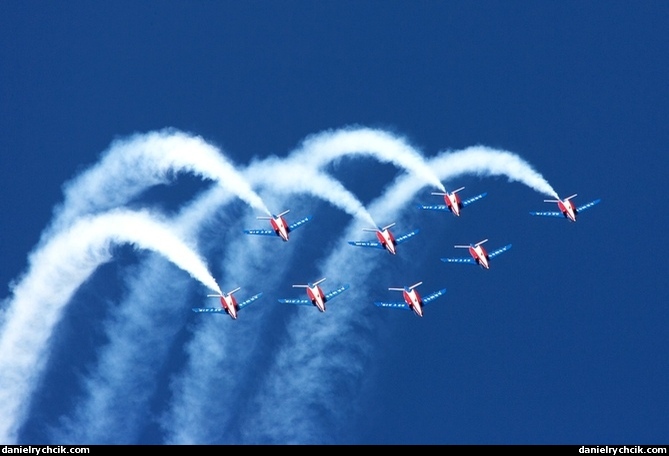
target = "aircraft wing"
x: 474, y: 198
x: 243, y: 304
x: 374, y: 244
x: 404, y: 237
x: 300, y: 302
x: 458, y: 260
x: 587, y: 205
x: 498, y: 251
x: 262, y: 232
x: 434, y: 207
x: 393, y: 305
x: 431, y: 297
x: 548, y: 213
x: 299, y: 223
x: 209, y: 309
x: 334, y: 293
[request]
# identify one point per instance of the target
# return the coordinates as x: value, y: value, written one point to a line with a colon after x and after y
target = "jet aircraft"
x: 412, y: 299
x: 229, y: 304
x: 566, y: 208
x: 386, y: 239
x: 453, y: 202
x: 315, y: 295
x: 279, y: 226
x: 478, y: 253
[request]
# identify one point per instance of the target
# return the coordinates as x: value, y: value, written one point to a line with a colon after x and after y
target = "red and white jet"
x: 567, y: 208
x: 478, y: 253
x: 229, y: 304
x: 386, y: 239
x: 453, y: 202
x: 279, y: 226
x: 412, y: 299
x: 315, y: 295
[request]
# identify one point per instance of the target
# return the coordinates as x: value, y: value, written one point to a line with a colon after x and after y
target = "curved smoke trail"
x: 55, y: 273
x: 302, y: 375
x: 273, y: 175
x: 209, y: 349
x: 308, y: 381
x: 131, y: 165
x: 325, y: 147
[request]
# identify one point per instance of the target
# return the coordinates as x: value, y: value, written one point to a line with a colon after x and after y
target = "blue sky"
x: 193, y: 114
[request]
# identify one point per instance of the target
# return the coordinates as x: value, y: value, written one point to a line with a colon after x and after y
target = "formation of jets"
x: 386, y: 240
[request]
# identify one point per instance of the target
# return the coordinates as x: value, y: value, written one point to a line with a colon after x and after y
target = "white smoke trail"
x: 209, y: 350
x: 298, y: 173
x: 272, y: 175
x: 475, y: 160
x: 324, y: 358
x: 55, y: 272
x: 325, y: 147
x: 133, y: 164
x: 115, y: 404
x: 291, y: 177
x: 196, y: 404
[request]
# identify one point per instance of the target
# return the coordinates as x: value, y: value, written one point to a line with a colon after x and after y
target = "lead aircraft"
x: 479, y: 255
x: 386, y: 239
x: 566, y: 208
x: 315, y: 295
x: 229, y: 304
x: 453, y: 202
x: 412, y: 299
x: 279, y: 226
